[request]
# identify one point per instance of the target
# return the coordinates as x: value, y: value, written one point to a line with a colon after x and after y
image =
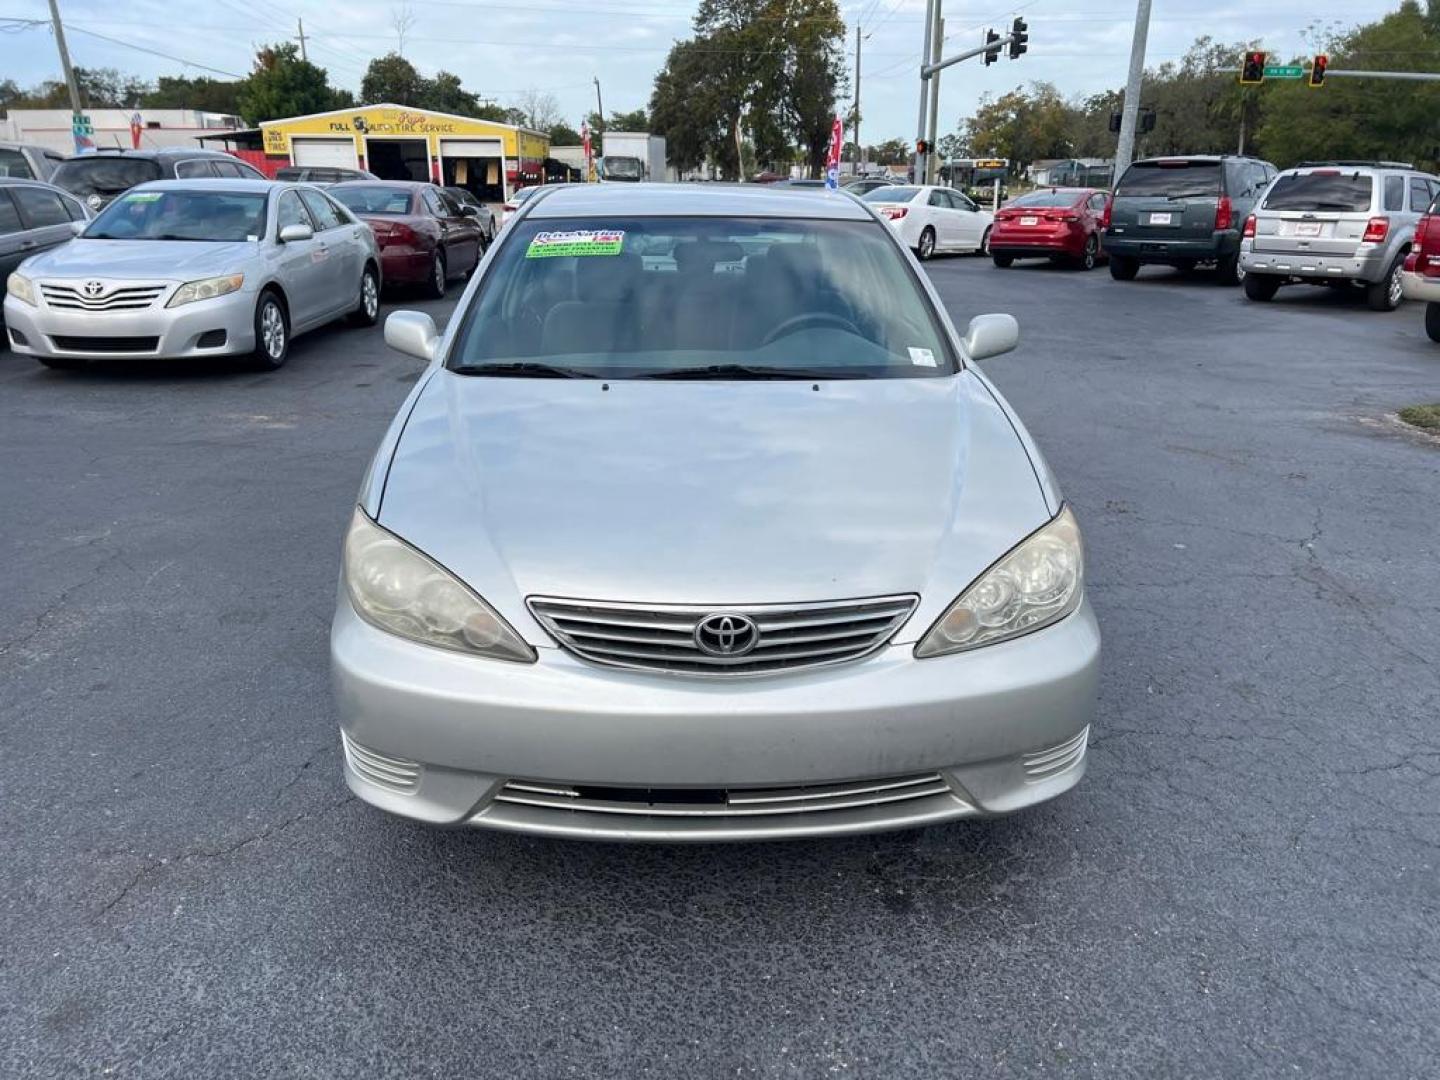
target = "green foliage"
x: 207, y: 94
x: 564, y: 135
x: 444, y: 93
x: 284, y: 85
x: 890, y: 152
x: 394, y: 80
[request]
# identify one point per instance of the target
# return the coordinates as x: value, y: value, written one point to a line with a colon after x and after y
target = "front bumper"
x: 1002, y: 727
x: 176, y: 332
x: 1152, y: 249
x: 1368, y: 264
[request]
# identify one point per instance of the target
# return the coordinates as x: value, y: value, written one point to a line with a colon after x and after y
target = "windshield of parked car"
x: 1327, y: 190
x: 374, y: 200
x: 718, y: 298
x: 218, y: 216
x: 100, y: 175
x: 890, y: 194
x: 1047, y: 198
x: 1171, y: 179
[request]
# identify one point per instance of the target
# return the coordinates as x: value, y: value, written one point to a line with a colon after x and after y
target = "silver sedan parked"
x: 703, y: 524
x: 183, y: 268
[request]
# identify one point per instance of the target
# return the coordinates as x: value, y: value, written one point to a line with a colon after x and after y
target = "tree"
x: 564, y: 135
x: 284, y: 85
x: 444, y: 93
x: 686, y: 109
x: 890, y: 152
x: 540, y: 108
x: 392, y: 78
x: 207, y: 94
x: 634, y: 120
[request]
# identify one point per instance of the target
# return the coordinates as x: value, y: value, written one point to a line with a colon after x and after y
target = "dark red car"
x: 425, y: 236
x: 1054, y: 223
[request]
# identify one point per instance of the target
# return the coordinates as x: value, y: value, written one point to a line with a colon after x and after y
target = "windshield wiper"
x: 525, y: 369
x: 748, y: 371
x: 1189, y: 195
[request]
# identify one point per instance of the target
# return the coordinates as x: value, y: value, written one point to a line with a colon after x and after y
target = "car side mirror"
x: 466, y: 210
x: 412, y: 333
x: 987, y: 336
x: 293, y: 234
x: 78, y: 227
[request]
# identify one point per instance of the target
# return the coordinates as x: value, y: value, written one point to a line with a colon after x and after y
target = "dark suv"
x: 1181, y: 211
x: 99, y: 177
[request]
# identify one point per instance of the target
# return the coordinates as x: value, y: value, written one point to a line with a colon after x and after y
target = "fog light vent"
x: 1044, y: 764
x: 211, y: 339
x: 396, y: 774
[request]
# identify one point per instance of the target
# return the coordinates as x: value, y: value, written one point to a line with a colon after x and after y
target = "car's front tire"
x: 1228, y: 270
x: 984, y: 248
x: 1261, y: 287
x: 1432, y: 322
x: 1124, y: 268
x: 367, y: 308
x: 272, y: 332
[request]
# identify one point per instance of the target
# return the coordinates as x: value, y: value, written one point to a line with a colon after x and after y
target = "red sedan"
x: 425, y: 236
x: 1055, y: 223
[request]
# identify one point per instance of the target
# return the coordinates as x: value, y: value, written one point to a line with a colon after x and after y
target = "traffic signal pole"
x: 920, y: 163
x: 1130, y: 113
x: 937, y: 42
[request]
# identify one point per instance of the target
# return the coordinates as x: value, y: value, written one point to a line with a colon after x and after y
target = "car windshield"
x: 1171, y: 179
x: 701, y: 298
x: 1321, y: 191
x: 104, y: 175
x: 374, y: 200
x: 217, y: 216
x: 1047, y: 198
x: 519, y: 195
x: 891, y: 193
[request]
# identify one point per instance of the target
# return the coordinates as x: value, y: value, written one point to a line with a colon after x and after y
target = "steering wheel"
x: 795, y: 323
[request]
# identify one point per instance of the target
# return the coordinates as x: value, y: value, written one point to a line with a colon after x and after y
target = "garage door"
x: 477, y: 148
x: 337, y: 153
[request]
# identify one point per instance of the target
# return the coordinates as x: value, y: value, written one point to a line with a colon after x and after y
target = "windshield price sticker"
x: 582, y: 242
x: 922, y: 357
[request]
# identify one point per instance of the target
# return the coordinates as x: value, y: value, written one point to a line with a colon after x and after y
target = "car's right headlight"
x: 408, y: 594
x: 20, y: 287
x: 1038, y: 583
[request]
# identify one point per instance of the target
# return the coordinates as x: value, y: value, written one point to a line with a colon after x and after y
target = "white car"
x: 933, y: 219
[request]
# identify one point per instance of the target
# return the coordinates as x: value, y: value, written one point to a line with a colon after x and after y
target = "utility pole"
x: 920, y: 163
x: 937, y: 46
x: 65, y: 58
x: 859, y: 153
x: 1129, y: 115
x: 300, y: 24
x: 599, y: 107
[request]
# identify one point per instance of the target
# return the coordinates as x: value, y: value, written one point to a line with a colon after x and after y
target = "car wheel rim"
x: 1090, y: 247
x: 370, y: 296
x: 439, y: 275
x: 927, y: 245
x: 272, y: 331
x: 1396, y: 289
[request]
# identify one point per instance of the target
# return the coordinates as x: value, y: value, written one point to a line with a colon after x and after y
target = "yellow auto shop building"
x: 399, y: 143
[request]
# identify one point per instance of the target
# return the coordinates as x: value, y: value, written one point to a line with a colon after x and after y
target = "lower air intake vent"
x: 397, y: 774
x: 1043, y: 764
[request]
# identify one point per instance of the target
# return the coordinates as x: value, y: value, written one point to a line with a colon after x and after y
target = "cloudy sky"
x: 503, y: 49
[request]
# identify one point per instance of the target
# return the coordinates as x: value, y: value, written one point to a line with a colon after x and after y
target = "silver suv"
x: 1336, y: 223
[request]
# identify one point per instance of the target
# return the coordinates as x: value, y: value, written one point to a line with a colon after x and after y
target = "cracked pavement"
x: 1243, y: 885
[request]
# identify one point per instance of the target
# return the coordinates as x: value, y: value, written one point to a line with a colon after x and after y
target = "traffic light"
x: 1115, y: 119
x: 1317, y: 70
x: 922, y: 147
x: 992, y: 50
x: 1147, y: 121
x: 1019, y: 38
x: 1252, y: 70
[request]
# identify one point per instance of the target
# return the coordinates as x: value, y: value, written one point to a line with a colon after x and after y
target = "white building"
x: 50, y: 128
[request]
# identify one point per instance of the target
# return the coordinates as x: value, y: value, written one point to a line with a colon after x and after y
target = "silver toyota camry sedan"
x: 702, y: 524
x: 186, y: 268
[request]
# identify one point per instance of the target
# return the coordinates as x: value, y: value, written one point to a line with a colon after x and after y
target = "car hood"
x: 726, y: 493
x: 169, y: 260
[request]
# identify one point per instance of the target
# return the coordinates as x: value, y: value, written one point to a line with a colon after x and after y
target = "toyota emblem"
x: 94, y: 288
x: 726, y: 634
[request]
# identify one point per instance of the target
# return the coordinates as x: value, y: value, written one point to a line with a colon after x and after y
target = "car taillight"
x: 1062, y: 216
x: 1248, y: 232
x: 1376, y: 230
x: 1224, y: 214
x: 1418, y: 260
x: 894, y: 213
x: 1109, y: 208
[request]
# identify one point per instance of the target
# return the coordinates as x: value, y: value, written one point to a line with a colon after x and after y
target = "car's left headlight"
x: 1038, y: 583
x: 206, y: 289
x: 21, y: 287
x: 402, y: 591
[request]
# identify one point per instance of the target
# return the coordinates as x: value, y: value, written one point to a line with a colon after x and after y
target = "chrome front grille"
x: 675, y: 638
x: 725, y: 802
x: 64, y: 297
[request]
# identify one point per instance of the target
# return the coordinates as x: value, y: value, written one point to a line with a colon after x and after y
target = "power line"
x: 74, y: 28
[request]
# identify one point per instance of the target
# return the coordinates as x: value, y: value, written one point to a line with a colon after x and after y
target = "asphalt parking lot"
x: 1243, y: 885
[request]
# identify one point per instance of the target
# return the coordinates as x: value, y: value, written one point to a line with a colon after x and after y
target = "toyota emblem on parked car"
x: 94, y: 288
x: 726, y: 634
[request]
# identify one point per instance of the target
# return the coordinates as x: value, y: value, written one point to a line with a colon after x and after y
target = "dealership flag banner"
x: 832, y: 160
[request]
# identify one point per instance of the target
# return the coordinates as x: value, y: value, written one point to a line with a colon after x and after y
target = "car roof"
x: 693, y: 200
x: 396, y: 185
x: 105, y: 154
x: 208, y: 183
